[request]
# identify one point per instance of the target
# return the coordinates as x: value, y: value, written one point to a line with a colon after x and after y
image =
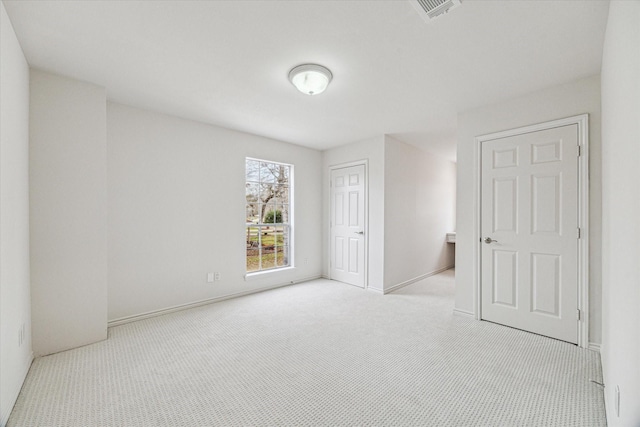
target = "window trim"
x: 263, y: 273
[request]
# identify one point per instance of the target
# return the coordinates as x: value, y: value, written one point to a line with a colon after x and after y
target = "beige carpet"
x: 317, y: 354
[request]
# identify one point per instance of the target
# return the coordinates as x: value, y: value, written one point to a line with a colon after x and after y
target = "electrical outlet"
x: 306, y: 261
x: 209, y: 277
x: 216, y: 276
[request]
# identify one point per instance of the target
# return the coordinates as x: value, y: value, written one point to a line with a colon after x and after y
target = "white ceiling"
x: 226, y: 62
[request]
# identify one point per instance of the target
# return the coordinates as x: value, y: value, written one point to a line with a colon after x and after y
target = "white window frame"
x: 289, y: 224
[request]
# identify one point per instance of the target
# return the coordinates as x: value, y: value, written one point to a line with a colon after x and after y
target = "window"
x: 269, y: 215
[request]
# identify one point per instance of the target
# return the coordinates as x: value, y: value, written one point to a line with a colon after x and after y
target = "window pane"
x: 276, y: 200
x: 267, y: 192
x: 283, y: 193
x: 267, y: 238
x: 282, y: 174
x: 279, y: 236
x: 269, y: 215
x: 252, y: 193
x: 253, y: 238
x: 252, y: 214
x: 285, y: 213
x: 268, y: 257
x: 282, y: 256
x: 253, y: 170
x: 268, y: 173
x: 253, y: 249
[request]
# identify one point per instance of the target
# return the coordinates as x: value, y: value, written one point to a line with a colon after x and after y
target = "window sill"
x: 261, y: 274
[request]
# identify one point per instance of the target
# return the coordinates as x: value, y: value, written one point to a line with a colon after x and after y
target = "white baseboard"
x: 180, y: 307
x: 594, y: 347
x: 464, y: 313
x: 16, y: 391
x: 416, y: 279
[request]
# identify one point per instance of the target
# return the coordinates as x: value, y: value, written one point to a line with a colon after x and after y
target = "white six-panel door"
x: 348, y: 225
x: 529, y: 229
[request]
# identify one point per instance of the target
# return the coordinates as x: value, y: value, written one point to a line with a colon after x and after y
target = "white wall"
x: 621, y: 212
x: 68, y: 196
x: 177, y: 211
x: 411, y: 208
x: 578, y: 97
x: 371, y: 150
x: 15, y: 313
x: 420, y: 198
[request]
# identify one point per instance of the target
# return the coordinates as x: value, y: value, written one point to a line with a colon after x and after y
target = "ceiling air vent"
x: 430, y: 9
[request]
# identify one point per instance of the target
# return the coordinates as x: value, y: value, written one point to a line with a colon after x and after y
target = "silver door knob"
x: 359, y: 232
x: 490, y: 240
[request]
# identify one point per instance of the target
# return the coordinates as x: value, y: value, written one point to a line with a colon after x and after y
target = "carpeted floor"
x: 317, y: 354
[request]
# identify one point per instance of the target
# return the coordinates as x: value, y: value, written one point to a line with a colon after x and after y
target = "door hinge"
x: 578, y: 314
x: 579, y: 233
x: 579, y: 150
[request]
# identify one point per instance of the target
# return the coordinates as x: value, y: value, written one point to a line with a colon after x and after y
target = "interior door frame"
x: 583, y: 214
x: 364, y: 163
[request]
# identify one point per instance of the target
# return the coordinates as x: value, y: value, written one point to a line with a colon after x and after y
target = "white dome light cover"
x: 310, y: 79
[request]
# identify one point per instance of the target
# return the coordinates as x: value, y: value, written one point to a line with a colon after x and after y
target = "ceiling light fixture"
x: 310, y: 79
